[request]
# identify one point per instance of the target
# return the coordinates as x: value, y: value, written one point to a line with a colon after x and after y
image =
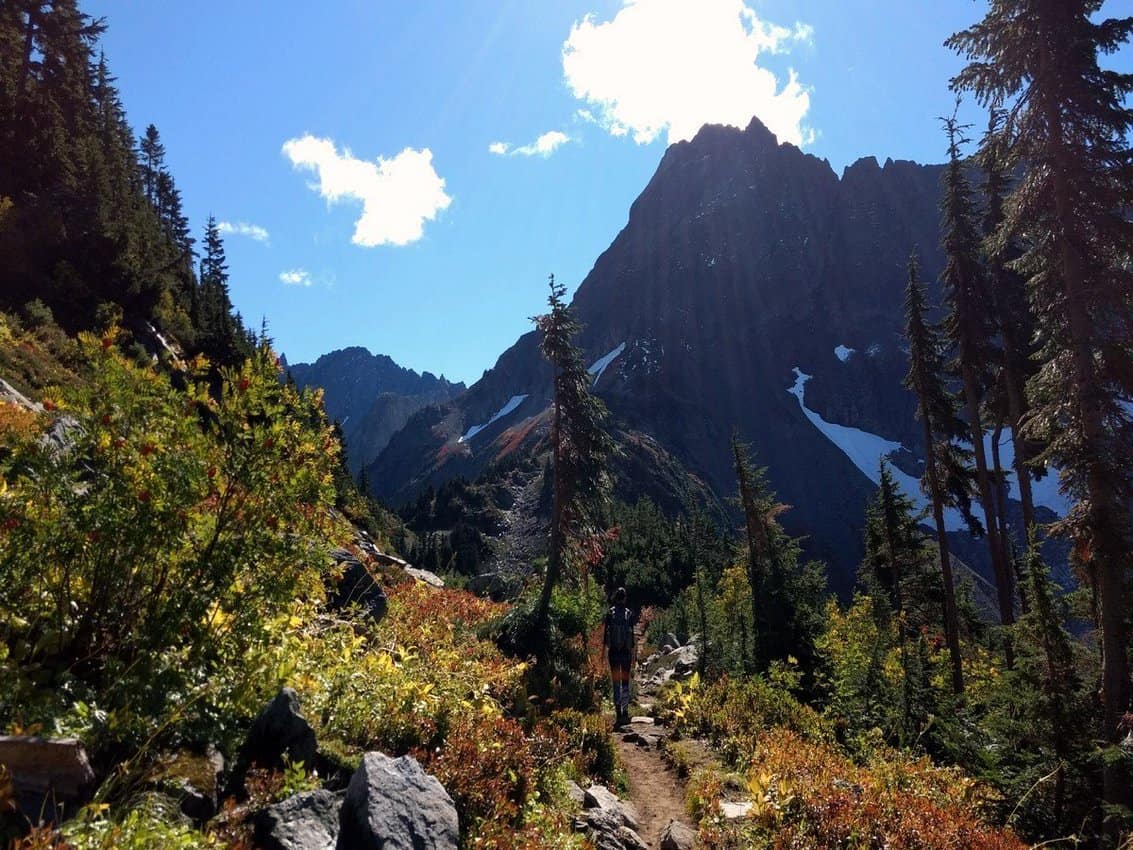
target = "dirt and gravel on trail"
x: 655, y: 790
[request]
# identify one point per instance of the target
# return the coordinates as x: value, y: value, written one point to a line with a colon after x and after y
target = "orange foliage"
x: 808, y: 795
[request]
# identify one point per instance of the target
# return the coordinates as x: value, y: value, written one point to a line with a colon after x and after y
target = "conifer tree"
x: 784, y: 597
x: 969, y: 330
x: 1069, y: 125
x: 580, y: 446
x: 936, y: 408
x: 1009, y: 300
x: 152, y: 163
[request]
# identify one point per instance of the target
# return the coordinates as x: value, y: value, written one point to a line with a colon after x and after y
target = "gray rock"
x: 358, y: 587
x: 671, y: 639
x: 392, y: 804
x: 677, y: 836
x: 306, y: 821
x: 430, y: 578
x: 606, y: 831
x: 575, y: 793
x: 602, y: 798
x: 51, y: 777
x: 280, y: 730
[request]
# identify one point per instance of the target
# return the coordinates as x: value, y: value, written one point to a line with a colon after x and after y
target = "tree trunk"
x: 554, y: 556
x: 951, y: 619
x: 1003, y: 577
x: 1001, y: 500
x: 1104, y: 517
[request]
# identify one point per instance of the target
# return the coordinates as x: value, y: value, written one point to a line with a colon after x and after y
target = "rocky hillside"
x: 752, y: 288
x: 370, y: 396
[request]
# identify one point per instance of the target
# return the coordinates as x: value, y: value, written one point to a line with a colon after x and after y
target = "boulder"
x: 430, y: 578
x: 45, y: 772
x: 492, y: 585
x: 606, y: 831
x: 392, y: 804
x: 672, y: 640
x: 680, y: 663
x: 305, y: 821
x: 358, y: 587
x: 602, y: 798
x: 677, y: 836
x: 280, y: 730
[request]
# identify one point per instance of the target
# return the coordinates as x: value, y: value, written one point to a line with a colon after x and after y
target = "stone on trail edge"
x: 392, y: 804
x: 678, y: 836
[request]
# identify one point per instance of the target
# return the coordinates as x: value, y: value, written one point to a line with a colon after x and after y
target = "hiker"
x: 619, y: 640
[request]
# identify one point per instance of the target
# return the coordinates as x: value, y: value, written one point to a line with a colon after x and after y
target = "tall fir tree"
x: 944, y: 462
x: 784, y: 596
x: 580, y: 446
x: 1069, y: 124
x: 1009, y: 300
x: 970, y: 331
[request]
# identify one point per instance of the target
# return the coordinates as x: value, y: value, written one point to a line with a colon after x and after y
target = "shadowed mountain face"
x: 370, y: 396
x: 741, y: 260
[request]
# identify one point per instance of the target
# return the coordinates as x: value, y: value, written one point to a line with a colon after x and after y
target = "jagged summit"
x: 742, y: 260
x: 370, y: 396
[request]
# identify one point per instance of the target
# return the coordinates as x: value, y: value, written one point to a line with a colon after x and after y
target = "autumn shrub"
x: 807, y: 794
x: 487, y: 768
x: 588, y: 744
x: 156, y: 542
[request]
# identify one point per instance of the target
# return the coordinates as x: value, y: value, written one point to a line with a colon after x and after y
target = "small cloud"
x: 668, y: 67
x: 296, y: 277
x: 543, y: 146
x: 398, y: 195
x: 242, y: 228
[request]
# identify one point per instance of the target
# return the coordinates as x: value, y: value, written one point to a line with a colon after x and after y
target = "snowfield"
x: 865, y: 451
x: 514, y: 402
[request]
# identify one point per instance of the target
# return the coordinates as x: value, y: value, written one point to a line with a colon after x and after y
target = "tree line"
x: 91, y: 220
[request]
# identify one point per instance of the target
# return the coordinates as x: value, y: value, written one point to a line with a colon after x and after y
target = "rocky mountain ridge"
x: 751, y: 289
x: 370, y: 396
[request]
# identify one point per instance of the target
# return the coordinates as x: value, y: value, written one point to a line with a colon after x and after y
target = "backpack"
x: 620, y: 629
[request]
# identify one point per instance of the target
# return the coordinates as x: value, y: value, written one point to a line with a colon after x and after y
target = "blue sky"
x: 405, y: 175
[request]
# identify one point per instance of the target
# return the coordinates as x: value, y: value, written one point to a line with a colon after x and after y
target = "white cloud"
x: 296, y: 277
x: 672, y: 66
x: 242, y: 228
x: 398, y: 195
x: 543, y: 146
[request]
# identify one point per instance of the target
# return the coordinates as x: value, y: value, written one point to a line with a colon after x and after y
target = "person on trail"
x: 620, y: 646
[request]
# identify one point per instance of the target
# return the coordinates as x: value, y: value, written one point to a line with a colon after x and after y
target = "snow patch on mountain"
x: 599, y: 366
x: 514, y: 402
x: 865, y: 451
x: 843, y: 352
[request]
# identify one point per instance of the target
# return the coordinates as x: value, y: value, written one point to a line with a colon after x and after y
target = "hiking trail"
x: 657, y: 793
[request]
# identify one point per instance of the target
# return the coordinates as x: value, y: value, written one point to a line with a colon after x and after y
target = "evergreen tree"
x: 1009, y: 299
x: 152, y: 164
x: 944, y: 478
x: 969, y: 330
x: 579, y: 445
x: 1069, y: 125
x: 784, y: 596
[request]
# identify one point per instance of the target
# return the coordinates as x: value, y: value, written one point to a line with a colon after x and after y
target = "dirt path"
x: 655, y: 790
